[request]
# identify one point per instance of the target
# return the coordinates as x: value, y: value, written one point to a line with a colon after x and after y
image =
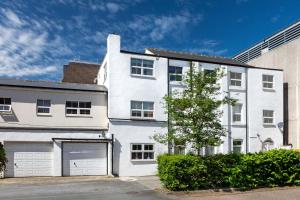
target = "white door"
x: 84, y: 159
x: 29, y: 159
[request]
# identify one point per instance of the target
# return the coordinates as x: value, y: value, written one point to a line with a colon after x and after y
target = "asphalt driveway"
x: 144, y: 188
x: 76, y: 189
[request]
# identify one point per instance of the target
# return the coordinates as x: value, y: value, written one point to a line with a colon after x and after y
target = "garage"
x: 29, y: 159
x: 83, y: 159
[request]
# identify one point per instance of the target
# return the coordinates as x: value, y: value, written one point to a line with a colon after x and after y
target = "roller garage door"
x: 84, y: 159
x: 29, y: 159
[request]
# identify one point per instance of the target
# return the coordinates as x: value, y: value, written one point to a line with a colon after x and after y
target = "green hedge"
x: 189, y: 172
x: 3, y: 159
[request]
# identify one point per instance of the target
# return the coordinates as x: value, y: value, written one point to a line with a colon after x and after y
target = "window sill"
x: 44, y: 115
x: 142, y: 119
x: 268, y: 89
x: 144, y: 160
x: 269, y: 125
x: 80, y: 116
x: 142, y: 76
x: 238, y: 124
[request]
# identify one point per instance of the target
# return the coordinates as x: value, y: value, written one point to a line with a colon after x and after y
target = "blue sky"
x: 37, y: 37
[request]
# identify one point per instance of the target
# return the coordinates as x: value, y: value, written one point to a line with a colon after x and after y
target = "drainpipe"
x: 247, y: 131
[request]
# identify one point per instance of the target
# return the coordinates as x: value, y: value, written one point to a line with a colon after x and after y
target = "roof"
x: 196, y: 57
x: 52, y: 85
x: 80, y: 72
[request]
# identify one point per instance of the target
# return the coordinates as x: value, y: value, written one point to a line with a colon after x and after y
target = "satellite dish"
x: 280, y: 125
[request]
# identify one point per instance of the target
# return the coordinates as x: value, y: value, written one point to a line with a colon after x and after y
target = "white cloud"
x: 12, y: 17
x: 158, y: 27
x: 27, y: 51
x: 114, y: 7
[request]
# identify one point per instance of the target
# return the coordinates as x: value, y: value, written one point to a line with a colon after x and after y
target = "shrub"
x: 190, y: 172
x: 3, y: 159
x: 182, y: 172
x: 271, y: 168
x: 219, y: 168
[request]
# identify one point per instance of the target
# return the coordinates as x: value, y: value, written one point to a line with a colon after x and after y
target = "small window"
x: 237, y: 146
x: 268, y: 116
x: 78, y: 108
x: 142, y: 67
x: 237, y: 113
x: 142, y: 152
x: 179, y: 149
x: 209, y: 150
x: 43, y: 107
x: 175, y: 73
x: 267, y: 81
x: 235, y: 79
x: 5, y: 104
x: 142, y: 109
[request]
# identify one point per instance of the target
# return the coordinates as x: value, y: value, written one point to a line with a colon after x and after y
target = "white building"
x: 55, y: 129
x: 281, y: 50
x: 137, y: 82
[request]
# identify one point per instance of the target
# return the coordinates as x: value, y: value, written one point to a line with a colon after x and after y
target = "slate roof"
x: 196, y: 57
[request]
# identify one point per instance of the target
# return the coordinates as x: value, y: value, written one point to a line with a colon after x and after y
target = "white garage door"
x: 29, y: 159
x: 84, y: 159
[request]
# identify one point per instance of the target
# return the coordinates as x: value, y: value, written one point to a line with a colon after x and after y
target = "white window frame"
x: 142, y: 67
x: 5, y: 105
x: 141, y: 110
x: 175, y: 74
x: 240, y: 145
x: 268, y: 82
x: 37, y: 107
x: 240, y: 114
x: 142, y: 151
x: 78, y: 109
x: 267, y: 117
x: 235, y: 79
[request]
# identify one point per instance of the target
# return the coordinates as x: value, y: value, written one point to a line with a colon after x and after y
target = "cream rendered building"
x: 282, y: 51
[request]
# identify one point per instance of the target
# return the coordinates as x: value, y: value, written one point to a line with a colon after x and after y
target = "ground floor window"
x: 209, y: 150
x: 237, y: 146
x: 142, y: 152
x: 179, y: 149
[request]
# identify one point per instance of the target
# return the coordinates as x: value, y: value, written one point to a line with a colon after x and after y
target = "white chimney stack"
x: 113, y: 43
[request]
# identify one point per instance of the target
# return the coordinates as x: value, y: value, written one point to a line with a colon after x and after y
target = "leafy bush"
x: 271, y: 168
x: 3, y: 159
x: 190, y: 172
x: 219, y: 168
x: 182, y: 172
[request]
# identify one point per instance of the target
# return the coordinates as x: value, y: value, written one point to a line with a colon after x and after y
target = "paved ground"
x: 79, y: 188
x: 263, y: 194
x: 98, y: 188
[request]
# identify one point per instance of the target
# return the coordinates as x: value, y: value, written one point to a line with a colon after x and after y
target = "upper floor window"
x: 237, y: 113
x: 237, y: 146
x: 43, y: 106
x: 175, y: 73
x: 141, y: 67
x: 5, y: 104
x: 142, y: 152
x: 267, y: 81
x: 142, y: 109
x: 268, y: 117
x: 78, y: 108
x: 235, y: 79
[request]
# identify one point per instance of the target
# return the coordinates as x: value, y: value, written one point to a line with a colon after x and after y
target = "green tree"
x: 195, y: 113
x: 3, y: 159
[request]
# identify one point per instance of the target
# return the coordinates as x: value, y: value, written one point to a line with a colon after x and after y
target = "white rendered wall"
x: 11, y: 135
x: 24, y: 109
x: 260, y: 99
